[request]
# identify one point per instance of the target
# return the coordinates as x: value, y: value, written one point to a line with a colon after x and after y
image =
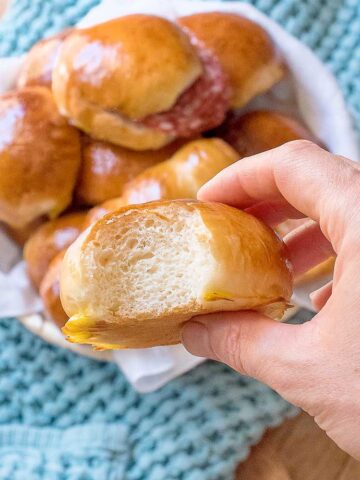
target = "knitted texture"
x: 42, y: 453
x: 197, y: 427
x: 65, y: 417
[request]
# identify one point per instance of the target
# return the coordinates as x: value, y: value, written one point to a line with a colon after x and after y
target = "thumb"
x: 254, y: 345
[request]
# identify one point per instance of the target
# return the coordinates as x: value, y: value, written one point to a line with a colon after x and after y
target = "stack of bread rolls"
x: 138, y: 109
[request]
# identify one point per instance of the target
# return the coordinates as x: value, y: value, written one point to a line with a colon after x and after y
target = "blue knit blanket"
x: 65, y: 417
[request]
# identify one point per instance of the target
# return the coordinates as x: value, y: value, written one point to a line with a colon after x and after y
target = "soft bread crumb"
x: 149, y: 262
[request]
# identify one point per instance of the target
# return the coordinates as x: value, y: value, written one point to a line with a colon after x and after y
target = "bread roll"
x: 261, y: 130
x: 106, y: 169
x: 109, y: 76
x: 48, y: 240
x: 39, y: 157
x: 50, y: 291
x: 183, y: 174
x: 244, y: 49
x: 179, y: 177
x: 39, y: 62
x: 133, y: 278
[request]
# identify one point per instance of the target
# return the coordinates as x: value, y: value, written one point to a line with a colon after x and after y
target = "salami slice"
x: 202, y: 106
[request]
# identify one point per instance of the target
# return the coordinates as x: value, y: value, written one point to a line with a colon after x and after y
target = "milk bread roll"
x: 107, y: 168
x: 183, y: 174
x: 39, y: 62
x: 50, y: 239
x: 134, y: 277
x: 138, y: 81
x: 260, y: 130
x: 179, y: 177
x: 245, y: 50
x: 39, y: 157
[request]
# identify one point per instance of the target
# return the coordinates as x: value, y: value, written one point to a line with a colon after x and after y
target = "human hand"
x: 315, y: 365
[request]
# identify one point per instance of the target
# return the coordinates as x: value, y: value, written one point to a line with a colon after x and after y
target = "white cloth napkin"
x: 310, y: 92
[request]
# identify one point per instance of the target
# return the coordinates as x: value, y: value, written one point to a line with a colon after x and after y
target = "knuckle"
x: 289, y: 157
x: 301, y: 146
x: 343, y: 204
x: 350, y: 183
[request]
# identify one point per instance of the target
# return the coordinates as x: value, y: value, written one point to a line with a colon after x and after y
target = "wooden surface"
x: 298, y: 450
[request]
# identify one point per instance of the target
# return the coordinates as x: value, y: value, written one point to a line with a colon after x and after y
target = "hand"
x: 315, y: 365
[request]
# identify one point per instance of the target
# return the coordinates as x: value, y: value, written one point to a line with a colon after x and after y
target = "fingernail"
x: 195, y: 337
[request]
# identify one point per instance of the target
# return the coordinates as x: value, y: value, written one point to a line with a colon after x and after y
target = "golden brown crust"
x: 107, y: 168
x: 112, y: 127
x: 39, y: 62
x: 245, y: 241
x: 39, y: 157
x: 50, y: 291
x: 250, y: 270
x: 261, y: 130
x: 244, y: 49
x: 105, y: 335
x: 183, y: 174
x: 50, y: 239
x: 179, y: 177
x: 106, y: 77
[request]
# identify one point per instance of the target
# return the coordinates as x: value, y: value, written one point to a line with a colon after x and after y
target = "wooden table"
x: 298, y: 450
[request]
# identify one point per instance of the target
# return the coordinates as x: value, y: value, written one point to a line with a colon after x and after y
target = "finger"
x: 252, y: 344
x: 307, y: 247
x: 321, y: 296
x: 311, y: 180
x: 274, y: 213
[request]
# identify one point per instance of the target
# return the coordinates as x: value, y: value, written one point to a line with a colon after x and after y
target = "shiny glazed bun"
x: 261, y: 130
x: 106, y: 168
x: 244, y: 49
x: 50, y: 291
x: 134, y: 277
x: 39, y: 62
x: 183, y: 174
x: 137, y: 81
x: 48, y: 240
x: 39, y: 157
x: 179, y: 177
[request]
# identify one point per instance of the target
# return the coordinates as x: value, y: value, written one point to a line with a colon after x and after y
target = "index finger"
x: 301, y: 176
